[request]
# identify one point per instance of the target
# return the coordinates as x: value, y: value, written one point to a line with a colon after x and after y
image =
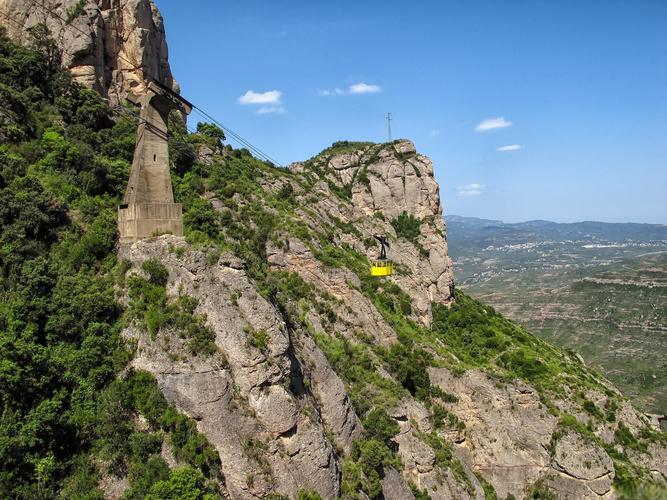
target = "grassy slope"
x: 618, y: 326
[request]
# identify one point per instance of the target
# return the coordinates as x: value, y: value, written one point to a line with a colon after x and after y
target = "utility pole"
x: 389, y: 126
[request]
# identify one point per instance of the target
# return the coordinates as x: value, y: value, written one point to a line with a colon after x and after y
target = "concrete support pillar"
x: 148, y: 207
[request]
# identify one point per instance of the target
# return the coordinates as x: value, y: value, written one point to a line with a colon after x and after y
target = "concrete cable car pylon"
x: 148, y: 207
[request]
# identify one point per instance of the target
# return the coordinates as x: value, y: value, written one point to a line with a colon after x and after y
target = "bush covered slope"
x: 257, y: 357
x: 67, y: 412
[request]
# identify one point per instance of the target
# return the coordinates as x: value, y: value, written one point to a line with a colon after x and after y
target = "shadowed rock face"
x: 111, y: 46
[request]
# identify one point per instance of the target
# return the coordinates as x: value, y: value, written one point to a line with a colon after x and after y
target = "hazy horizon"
x: 520, y: 221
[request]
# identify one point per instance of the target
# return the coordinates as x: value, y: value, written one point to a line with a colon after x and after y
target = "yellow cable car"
x: 382, y: 266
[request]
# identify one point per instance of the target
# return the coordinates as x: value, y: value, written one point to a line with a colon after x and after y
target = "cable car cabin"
x: 382, y: 267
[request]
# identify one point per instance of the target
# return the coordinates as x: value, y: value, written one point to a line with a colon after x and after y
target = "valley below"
x: 595, y: 288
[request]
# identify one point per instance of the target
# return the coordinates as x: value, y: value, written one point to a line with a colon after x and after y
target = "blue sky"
x: 577, y: 88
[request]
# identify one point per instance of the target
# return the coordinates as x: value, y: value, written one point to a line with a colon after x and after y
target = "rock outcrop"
x: 285, y: 417
x: 111, y: 46
x: 241, y: 400
x: 384, y: 183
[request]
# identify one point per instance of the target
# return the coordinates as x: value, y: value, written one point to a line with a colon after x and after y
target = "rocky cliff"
x: 263, y: 326
x: 111, y: 46
x: 324, y: 379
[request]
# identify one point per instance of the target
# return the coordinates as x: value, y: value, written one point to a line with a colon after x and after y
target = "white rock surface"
x: 113, y: 46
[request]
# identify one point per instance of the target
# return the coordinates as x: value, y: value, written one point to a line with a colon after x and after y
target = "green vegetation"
x: 259, y: 339
x: 212, y: 131
x: 66, y: 418
x: 480, y: 337
x: 407, y: 226
x: 603, y: 302
x: 308, y: 495
x: 364, y: 468
x: 540, y: 491
x: 152, y: 309
x: 183, y: 483
x: 342, y: 147
x: 77, y: 10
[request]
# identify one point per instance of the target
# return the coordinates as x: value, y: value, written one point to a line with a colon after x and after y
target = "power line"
x: 237, y: 137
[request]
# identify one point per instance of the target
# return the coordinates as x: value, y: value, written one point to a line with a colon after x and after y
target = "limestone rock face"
x: 285, y: 416
x: 584, y: 467
x: 386, y: 181
x: 508, y: 430
x: 110, y: 46
x: 239, y: 396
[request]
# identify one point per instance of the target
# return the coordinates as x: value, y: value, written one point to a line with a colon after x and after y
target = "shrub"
x: 259, y: 339
x: 524, y: 363
x: 409, y: 365
x: 407, y: 226
x: 184, y: 483
x: 201, y: 216
x: 157, y: 272
x: 592, y: 409
x: 308, y: 495
x: 380, y: 426
x: 144, y: 474
x: 371, y: 456
x: 213, y: 131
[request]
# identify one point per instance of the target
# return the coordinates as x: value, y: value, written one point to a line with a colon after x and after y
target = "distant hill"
x: 470, y: 233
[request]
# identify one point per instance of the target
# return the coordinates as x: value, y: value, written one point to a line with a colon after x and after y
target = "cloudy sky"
x: 549, y: 110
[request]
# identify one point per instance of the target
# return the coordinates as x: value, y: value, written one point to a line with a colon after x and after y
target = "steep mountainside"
x: 110, y: 46
x: 257, y: 357
x: 325, y: 366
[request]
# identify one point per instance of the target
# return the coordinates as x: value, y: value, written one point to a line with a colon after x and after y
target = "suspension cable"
x: 237, y: 137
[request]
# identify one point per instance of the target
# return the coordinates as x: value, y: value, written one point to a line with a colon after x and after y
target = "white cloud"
x: 270, y: 109
x: 473, y: 189
x: 492, y: 123
x: 270, y: 97
x: 355, y: 88
x: 510, y: 147
x: 364, y: 88
x: 328, y: 92
x: 434, y: 133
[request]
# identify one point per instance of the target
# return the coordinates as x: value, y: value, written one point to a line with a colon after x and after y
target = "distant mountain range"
x: 469, y: 233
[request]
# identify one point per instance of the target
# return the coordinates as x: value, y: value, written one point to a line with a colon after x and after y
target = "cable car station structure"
x: 148, y: 207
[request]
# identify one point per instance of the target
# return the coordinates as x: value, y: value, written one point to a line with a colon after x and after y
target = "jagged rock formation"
x: 284, y: 414
x: 241, y: 401
x: 385, y: 182
x: 111, y: 46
